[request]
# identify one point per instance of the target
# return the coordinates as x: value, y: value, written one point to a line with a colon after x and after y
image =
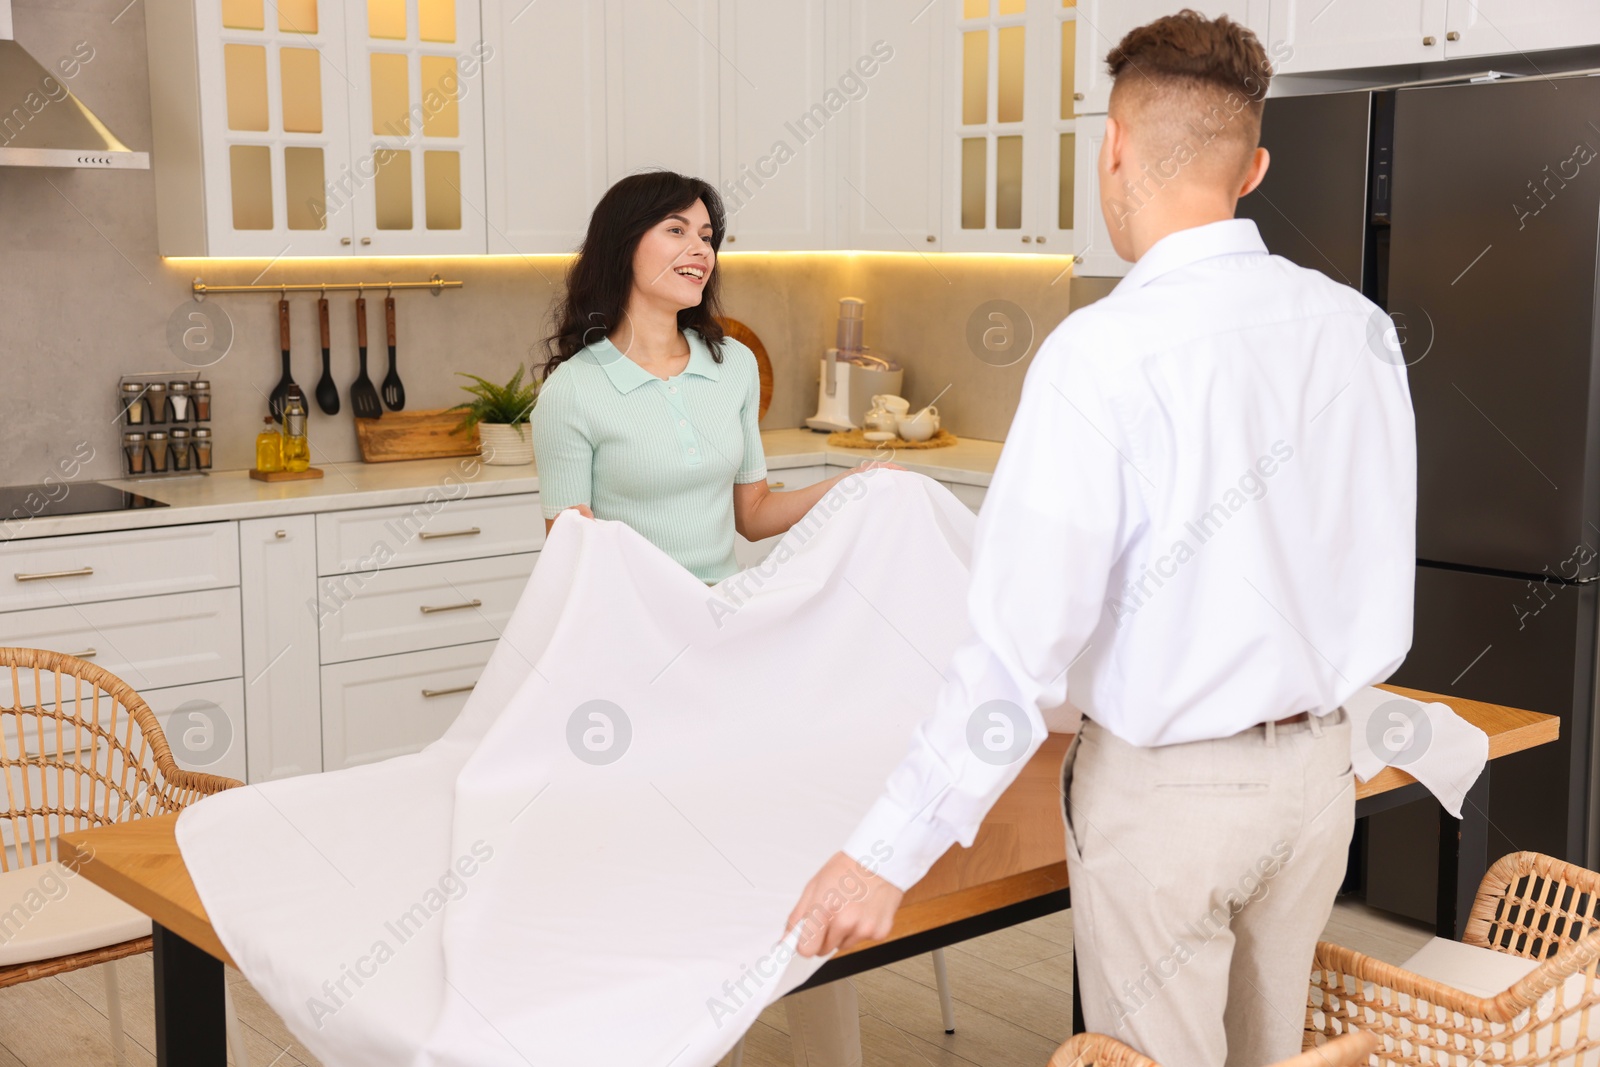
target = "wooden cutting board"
x: 744, y: 334
x: 414, y: 435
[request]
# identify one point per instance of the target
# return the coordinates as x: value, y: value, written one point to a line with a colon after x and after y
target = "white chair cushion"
x: 48, y: 911
x: 1482, y: 972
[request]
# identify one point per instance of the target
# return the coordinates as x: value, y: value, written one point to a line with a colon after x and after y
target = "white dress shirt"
x: 1203, y: 519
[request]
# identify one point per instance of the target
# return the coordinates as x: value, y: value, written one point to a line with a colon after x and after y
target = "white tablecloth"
x: 500, y: 899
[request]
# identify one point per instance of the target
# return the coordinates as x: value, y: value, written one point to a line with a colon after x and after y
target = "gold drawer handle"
x: 447, y: 692
x: 774, y: 485
x: 473, y: 603
x: 46, y: 575
x: 426, y: 536
x: 87, y: 653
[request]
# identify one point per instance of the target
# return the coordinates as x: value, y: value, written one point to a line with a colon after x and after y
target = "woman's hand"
x: 581, y: 509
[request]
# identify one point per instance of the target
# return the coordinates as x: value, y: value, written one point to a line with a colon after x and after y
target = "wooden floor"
x: 1013, y: 994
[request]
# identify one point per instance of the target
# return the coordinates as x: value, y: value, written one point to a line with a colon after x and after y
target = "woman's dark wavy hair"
x: 601, y: 278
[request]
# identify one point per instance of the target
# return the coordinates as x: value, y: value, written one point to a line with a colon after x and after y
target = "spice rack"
x: 165, y: 420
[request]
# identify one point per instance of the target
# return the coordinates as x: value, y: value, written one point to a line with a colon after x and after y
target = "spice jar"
x: 158, y: 451
x: 200, y: 399
x: 181, y: 458
x: 155, y: 398
x: 134, y: 452
x: 178, y: 405
x: 202, y: 448
x: 134, y: 409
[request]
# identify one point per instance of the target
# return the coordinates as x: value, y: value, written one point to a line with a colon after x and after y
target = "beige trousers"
x: 1202, y: 875
x: 825, y: 1026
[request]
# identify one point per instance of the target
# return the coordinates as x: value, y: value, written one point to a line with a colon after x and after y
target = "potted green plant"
x: 500, y: 412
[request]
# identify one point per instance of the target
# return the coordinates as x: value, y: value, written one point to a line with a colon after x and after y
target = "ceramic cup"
x: 919, y: 427
x: 898, y: 405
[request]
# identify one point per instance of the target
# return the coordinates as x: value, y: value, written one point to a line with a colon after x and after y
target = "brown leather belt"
x: 1304, y: 716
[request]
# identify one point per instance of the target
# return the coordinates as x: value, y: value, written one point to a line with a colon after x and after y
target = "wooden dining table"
x: 1015, y: 871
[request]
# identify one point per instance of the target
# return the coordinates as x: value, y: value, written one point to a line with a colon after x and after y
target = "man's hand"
x: 843, y: 905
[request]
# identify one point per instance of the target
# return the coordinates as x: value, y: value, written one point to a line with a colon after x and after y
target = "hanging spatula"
x: 394, y: 393
x: 363, y: 396
x: 280, y: 392
x: 327, y: 389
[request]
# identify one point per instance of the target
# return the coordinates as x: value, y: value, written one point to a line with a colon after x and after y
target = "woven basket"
x: 1528, y: 905
x: 1098, y: 1050
x: 79, y: 748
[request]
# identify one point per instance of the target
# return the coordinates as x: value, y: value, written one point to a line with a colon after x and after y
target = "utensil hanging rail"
x: 436, y: 283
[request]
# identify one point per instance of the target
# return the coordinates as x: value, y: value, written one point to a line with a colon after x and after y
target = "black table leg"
x: 1078, y: 1025
x: 190, y: 1018
x: 1463, y: 859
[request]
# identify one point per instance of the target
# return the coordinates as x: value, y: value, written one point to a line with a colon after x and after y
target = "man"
x: 1202, y: 531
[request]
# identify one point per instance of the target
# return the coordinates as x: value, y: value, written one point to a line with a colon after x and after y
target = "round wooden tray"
x: 744, y: 334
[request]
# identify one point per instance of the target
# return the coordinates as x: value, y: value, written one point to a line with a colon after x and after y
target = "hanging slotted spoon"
x: 363, y: 397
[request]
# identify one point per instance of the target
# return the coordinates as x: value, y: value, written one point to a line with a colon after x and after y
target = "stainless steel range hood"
x: 43, y: 125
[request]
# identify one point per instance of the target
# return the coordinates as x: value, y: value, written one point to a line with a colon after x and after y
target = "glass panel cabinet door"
x: 1010, y: 150
x: 274, y: 126
x: 416, y: 181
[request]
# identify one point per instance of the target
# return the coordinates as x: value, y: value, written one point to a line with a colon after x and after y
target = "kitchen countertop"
x: 232, y: 495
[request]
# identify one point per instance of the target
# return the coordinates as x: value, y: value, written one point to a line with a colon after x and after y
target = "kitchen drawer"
x: 367, y: 540
x: 203, y: 725
x: 407, y: 609
x: 148, y: 642
x: 373, y: 709
x: 81, y: 568
x: 749, y: 553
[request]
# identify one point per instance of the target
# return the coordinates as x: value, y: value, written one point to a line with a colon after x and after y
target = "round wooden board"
x: 744, y: 334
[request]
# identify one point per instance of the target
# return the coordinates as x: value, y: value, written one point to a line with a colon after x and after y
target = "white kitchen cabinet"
x: 375, y: 709
x: 149, y: 642
x: 416, y: 94
x: 1314, y: 35
x: 664, y: 65
x: 314, y: 128
x: 545, y: 122
x: 1498, y: 27
x: 407, y: 609
x: 1092, y: 240
x: 362, y: 541
x: 204, y: 725
x: 278, y: 593
x: 891, y: 155
x: 1009, y: 94
x: 80, y: 568
x: 777, y: 125
x: 970, y: 495
x: 1103, y: 23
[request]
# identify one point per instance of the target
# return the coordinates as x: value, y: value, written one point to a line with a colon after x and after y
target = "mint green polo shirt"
x: 661, y: 455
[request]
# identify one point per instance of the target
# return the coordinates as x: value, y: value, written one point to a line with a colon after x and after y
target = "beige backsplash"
x: 84, y: 297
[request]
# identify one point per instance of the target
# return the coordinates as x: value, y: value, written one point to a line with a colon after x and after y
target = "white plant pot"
x: 504, y: 445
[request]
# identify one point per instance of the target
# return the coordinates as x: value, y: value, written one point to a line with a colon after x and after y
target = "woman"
x: 648, y: 415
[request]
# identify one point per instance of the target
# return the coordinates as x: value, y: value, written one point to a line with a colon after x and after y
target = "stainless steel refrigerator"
x: 1471, y: 212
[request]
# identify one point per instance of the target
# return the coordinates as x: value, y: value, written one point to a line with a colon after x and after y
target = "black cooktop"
x: 68, y: 498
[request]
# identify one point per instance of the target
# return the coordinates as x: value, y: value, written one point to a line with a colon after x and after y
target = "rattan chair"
x: 79, y: 749
x: 1528, y: 905
x: 1098, y: 1050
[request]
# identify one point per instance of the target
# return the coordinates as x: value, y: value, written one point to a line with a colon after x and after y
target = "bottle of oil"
x: 269, y: 447
x: 296, y: 449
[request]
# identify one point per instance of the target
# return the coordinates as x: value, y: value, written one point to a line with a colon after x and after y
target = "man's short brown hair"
x: 1188, y: 76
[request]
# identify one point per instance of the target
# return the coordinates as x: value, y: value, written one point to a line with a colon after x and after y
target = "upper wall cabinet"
x: 891, y: 166
x: 546, y: 165
x: 663, y: 69
x: 1312, y: 35
x: 311, y: 127
x: 1010, y: 99
x: 1103, y: 23
x: 776, y: 124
